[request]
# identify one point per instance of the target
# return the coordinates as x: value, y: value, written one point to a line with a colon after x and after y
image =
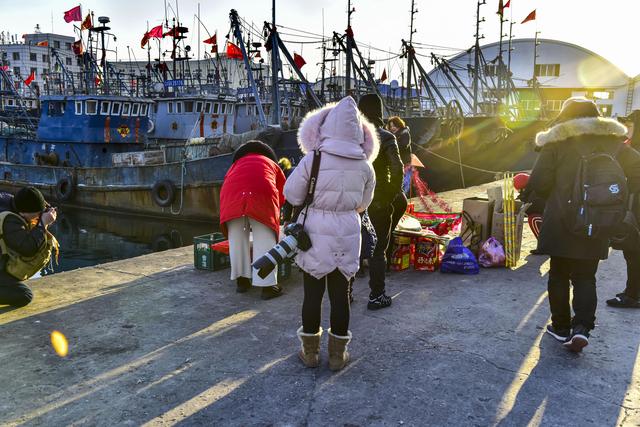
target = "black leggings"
x: 338, y: 287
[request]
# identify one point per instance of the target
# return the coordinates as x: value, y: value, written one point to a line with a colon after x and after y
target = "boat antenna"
x: 348, y: 52
x: 275, y: 96
x: 476, y: 66
x: 410, y: 53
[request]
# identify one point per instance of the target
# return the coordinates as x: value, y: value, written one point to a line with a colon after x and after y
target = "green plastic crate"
x: 204, y: 257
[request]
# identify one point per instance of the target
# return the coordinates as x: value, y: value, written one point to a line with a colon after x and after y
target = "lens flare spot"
x: 59, y: 343
x: 592, y: 73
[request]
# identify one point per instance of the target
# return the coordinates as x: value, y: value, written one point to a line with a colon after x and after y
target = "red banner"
x: 73, y: 15
x: 233, y: 51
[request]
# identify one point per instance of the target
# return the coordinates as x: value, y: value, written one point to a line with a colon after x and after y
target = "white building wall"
x: 580, y: 69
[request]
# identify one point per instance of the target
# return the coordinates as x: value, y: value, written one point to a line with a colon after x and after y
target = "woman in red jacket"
x: 250, y: 201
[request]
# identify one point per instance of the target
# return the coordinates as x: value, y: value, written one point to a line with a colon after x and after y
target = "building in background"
x: 562, y: 70
x: 25, y: 56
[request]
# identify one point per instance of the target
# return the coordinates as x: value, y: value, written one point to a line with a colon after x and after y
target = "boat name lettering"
x: 173, y: 83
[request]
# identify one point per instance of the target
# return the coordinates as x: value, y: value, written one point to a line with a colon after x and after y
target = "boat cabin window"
x: 216, y: 108
x: 199, y: 107
x: 188, y: 106
x: 115, y: 109
x: 223, y: 108
x: 207, y: 108
x: 126, y: 109
x: 170, y: 107
x: 92, y: 108
x: 105, y: 108
x: 78, y: 108
x: 143, y: 109
x: 56, y: 108
x: 135, y: 109
x: 9, y: 102
x: 179, y: 107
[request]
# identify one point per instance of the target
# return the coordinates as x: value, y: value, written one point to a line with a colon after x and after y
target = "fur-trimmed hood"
x: 598, y: 126
x: 340, y: 129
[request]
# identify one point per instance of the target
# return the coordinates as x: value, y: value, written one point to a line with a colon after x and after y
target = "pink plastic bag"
x: 491, y: 254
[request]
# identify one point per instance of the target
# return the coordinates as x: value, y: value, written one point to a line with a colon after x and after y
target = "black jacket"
x: 404, y: 144
x: 389, y: 170
x: 554, y: 174
x: 15, y: 232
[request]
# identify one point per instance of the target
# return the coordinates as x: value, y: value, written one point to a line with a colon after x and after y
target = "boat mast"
x: 348, y: 52
x: 499, y: 68
x: 476, y: 67
x: 275, y: 96
x: 410, y: 60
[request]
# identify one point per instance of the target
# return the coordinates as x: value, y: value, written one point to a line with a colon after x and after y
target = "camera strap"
x: 313, y: 178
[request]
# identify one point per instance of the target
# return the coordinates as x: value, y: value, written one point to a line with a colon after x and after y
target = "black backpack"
x: 598, y: 202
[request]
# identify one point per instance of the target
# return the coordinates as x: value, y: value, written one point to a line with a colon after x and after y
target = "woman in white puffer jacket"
x: 344, y: 188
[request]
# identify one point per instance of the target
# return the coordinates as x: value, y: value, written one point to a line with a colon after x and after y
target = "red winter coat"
x: 252, y: 187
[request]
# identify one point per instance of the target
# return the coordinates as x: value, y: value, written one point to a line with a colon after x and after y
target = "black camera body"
x: 295, y: 238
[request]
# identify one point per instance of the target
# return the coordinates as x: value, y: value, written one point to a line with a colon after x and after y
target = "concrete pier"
x: 152, y: 341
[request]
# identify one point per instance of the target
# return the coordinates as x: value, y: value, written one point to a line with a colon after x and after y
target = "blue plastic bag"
x: 459, y: 259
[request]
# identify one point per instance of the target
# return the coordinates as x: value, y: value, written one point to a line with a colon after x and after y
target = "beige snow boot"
x: 338, y: 355
x: 310, y: 348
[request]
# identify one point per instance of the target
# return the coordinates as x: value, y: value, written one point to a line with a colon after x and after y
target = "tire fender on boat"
x: 65, y: 189
x: 163, y: 193
x: 152, y: 126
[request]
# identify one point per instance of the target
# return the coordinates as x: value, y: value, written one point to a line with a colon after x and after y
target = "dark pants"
x: 582, y: 275
x: 338, y: 287
x: 399, y: 208
x: 13, y: 292
x: 633, y: 274
x: 381, y: 220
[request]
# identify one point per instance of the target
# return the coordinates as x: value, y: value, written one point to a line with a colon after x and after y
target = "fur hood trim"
x: 599, y: 126
x: 316, y: 132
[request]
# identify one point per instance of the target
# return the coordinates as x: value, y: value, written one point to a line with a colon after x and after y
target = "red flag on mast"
x: 507, y: 4
x: 44, y: 43
x: 73, y: 14
x: 30, y: 79
x: 156, y: 32
x: 233, y: 51
x: 86, y: 24
x: 211, y: 40
x: 298, y: 60
x: 77, y: 47
x: 383, y: 77
x: 530, y: 17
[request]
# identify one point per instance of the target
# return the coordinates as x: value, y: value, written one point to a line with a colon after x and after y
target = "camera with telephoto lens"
x: 295, y: 238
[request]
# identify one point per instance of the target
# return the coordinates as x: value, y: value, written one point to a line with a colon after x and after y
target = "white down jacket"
x: 344, y: 188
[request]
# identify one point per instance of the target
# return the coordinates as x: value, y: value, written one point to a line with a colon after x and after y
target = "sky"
x: 609, y: 28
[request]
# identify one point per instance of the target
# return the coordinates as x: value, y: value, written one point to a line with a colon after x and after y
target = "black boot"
x: 243, y: 284
x: 271, y: 292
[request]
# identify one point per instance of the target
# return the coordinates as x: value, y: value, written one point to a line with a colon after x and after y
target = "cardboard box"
x: 476, y: 221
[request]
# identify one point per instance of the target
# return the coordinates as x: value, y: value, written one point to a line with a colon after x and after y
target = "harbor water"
x: 89, y: 238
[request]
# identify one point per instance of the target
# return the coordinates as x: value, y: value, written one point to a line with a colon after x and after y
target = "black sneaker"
x: 381, y: 301
x: 579, y: 339
x: 271, y: 292
x: 243, y: 284
x: 623, y: 301
x: 561, y: 335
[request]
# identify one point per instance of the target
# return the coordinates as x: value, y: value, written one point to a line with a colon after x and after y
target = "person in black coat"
x: 579, y: 128
x: 25, y: 234
x: 630, y: 297
x: 387, y: 199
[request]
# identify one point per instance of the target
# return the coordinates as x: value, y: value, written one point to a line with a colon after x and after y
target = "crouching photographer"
x: 26, y: 244
x: 344, y: 184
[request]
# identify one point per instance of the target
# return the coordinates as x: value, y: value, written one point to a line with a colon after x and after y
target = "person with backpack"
x: 25, y: 243
x: 388, y: 198
x: 345, y: 144
x: 585, y: 173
